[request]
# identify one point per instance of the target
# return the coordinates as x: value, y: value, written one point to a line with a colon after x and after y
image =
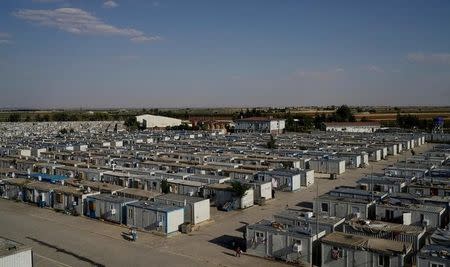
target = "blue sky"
x: 144, y: 53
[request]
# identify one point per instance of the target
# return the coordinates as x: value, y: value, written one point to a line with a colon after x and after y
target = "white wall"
x: 158, y: 121
x: 353, y: 129
x: 21, y: 259
x: 247, y: 200
x: 201, y: 211
x: 174, y: 220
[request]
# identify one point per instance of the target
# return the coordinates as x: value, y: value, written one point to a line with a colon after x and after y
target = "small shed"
x: 196, y: 209
x: 12, y: 188
x: 224, y: 197
x: 262, y: 191
x: 108, y: 207
x: 157, y: 217
x: 39, y: 193
x: 67, y: 198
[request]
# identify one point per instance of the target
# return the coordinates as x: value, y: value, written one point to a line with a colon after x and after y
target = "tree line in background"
x: 294, y: 122
x: 409, y: 121
x: 63, y: 116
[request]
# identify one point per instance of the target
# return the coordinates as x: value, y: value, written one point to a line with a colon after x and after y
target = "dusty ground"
x: 62, y: 240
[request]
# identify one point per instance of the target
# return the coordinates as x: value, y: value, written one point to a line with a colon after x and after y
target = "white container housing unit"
x: 150, y: 216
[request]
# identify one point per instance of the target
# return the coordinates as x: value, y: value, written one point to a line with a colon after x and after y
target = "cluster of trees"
x: 14, y: 117
x: 248, y: 113
x: 409, y: 121
x: 183, y: 127
x: 132, y: 124
x: 62, y: 116
x: 302, y: 123
x: 299, y: 123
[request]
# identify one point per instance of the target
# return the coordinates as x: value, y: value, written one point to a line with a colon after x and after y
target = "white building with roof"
x: 153, y: 121
x: 352, y: 127
x: 260, y: 125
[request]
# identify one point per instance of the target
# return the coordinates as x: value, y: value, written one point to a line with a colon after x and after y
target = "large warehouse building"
x: 153, y: 121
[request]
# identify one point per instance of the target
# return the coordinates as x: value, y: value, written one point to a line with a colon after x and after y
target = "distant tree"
x: 60, y: 116
x: 409, y: 121
x: 131, y: 123
x: 299, y: 123
x: 182, y: 127
x: 14, y: 117
x: 165, y: 187
x: 344, y: 114
x: 63, y: 131
x: 271, y: 144
x: 319, y: 121
x: 46, y: 117
x: 71, y: 130
x: 74, y: 117
x: 364, y: 119
x: 290, y: 123
x: 239, y: 188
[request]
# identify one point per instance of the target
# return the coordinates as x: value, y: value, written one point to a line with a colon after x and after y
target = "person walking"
x: 238, y: 252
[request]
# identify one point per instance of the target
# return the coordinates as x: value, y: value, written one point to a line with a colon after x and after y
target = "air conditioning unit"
x: 113, y: 211
x: 308, y: 215
x: 426, y: 222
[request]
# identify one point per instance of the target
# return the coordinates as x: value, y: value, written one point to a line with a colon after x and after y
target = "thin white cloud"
x: 429, y: 58
x: 318, y: 75
x: 47, y: 1
x: 78, y: 21
x: 110, y: 4
x: 5, y: 35
x: 143, y: 39
x: 374, y: 68
x: 155, y: 3
x: 5, y: 38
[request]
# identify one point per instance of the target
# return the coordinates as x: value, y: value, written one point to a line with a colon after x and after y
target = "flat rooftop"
x: 266, y: 225
x: 154, y: 206
x: 301, y: 215
x: 138, y: 193
x: 379, y: 226
x: 345, y: 199
x: 112, y: 198
x: 438, y: 252
x: 366, y: 243
x: 9, y: 247
x: 180, y: 198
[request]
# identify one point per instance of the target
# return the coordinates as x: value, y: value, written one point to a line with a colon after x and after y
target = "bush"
x: 239, y: 188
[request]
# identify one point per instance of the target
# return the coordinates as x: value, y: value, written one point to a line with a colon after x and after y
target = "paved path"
x: 62, y: 240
